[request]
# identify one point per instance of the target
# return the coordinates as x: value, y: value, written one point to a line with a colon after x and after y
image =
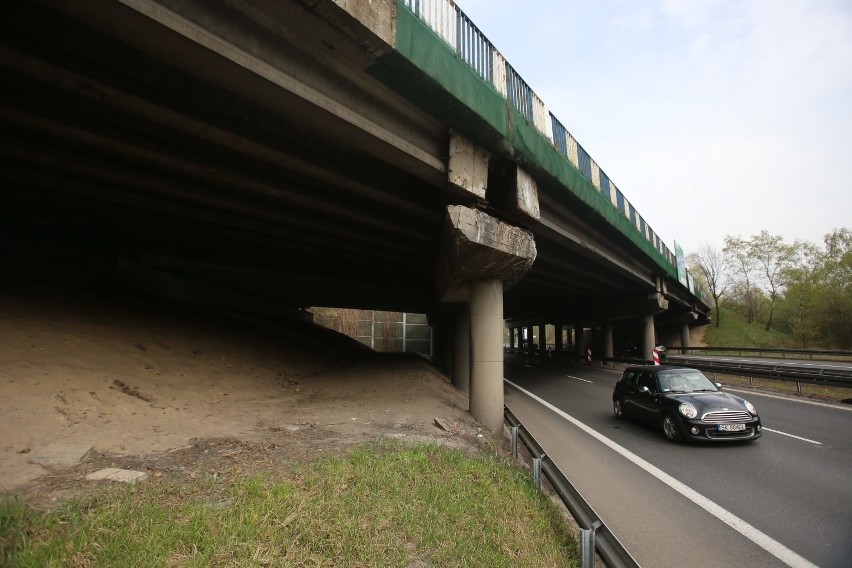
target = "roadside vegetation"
x: 383, y: 505
x: 735, y: 331
x: 768, y: 293
x: 799, y: 294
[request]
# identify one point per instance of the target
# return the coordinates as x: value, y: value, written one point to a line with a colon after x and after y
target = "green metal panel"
x: 425, y: 69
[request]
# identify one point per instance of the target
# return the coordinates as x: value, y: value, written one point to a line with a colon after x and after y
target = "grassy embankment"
x: 736, y: 331
x: 384, y: 505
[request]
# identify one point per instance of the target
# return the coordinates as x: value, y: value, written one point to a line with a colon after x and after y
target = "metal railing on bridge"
x: 446, y: 19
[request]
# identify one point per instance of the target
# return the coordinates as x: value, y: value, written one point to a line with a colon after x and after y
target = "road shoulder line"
x: 764, y: 541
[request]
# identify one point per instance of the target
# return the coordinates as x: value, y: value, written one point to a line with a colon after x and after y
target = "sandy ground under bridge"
x: 167, y: 391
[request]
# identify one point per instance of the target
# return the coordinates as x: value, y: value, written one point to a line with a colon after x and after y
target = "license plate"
x: 731, y: 427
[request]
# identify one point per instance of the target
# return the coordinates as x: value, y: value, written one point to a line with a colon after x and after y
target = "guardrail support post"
x: 536, y: 464
x: 515, y: 442
x: 587, y: 545
x: 798, y: 387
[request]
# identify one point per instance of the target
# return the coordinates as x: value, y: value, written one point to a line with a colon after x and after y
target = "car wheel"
x: 618, y: 409
x: 671, y: 429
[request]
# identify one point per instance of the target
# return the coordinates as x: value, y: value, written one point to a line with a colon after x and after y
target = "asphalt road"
x: 785, y: 499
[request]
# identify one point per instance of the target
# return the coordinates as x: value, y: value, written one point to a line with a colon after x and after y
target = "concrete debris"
x: 120, y: 475
x: 61, y: 454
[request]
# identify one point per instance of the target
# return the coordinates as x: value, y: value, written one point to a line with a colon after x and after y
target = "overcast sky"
x: 714, y: 117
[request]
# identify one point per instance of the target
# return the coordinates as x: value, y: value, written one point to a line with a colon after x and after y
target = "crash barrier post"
x: 587, y: 544
x: 588, y: 355
x: 599, y: 538
x: 655, y: 356
x: 515, y: 442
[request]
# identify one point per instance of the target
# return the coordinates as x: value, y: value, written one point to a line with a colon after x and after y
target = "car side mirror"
x: 644, y: 389
x: 718, y: 385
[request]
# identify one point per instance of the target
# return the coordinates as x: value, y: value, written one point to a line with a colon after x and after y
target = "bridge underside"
x: 257, y: 167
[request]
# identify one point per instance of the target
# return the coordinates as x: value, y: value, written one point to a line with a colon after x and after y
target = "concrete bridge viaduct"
x: 271, y: 155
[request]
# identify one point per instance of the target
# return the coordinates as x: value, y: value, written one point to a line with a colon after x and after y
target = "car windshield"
x: 685, y: 381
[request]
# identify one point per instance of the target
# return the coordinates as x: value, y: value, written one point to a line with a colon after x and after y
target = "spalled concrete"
x: 478, y: 246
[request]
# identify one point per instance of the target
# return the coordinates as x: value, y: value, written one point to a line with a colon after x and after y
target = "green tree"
x: 711, y: 267
x: 803, y: 281
x: 835, y: 305
x: 773, y: 257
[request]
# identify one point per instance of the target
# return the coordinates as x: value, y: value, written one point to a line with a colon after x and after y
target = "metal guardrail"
x: 791, y: 372
x: 595, y: 535
x: 809, y: 353
x: 828, y: 376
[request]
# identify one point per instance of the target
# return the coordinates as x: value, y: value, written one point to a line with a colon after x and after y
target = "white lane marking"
x: 579, y: 379
x: 847, y: 408
x: 792, y: 436
x: 764, y: 541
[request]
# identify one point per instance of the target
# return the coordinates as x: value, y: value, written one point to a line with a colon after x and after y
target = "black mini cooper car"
x: 685, y: 404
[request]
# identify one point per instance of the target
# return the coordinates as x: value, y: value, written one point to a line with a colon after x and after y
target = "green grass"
x: 385, y: 505
x: 735, y: 331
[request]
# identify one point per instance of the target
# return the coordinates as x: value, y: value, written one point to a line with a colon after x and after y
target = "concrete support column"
x: 530, y: 349
x: 461, y: 348
x: 648, y: 337
x: 542, y: 339
x: 607, y: 341
x: 557, y: 328
x: 486, y: 352
x: 579, y: 342
x: 684, y: 337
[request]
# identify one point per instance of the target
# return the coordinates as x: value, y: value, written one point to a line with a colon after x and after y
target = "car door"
x: 646, y: 403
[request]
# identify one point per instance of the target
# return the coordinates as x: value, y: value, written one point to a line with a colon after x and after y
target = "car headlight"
x: 750, y: 407
x: 688, y: 410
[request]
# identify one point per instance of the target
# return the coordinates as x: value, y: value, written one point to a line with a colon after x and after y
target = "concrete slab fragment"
x: 61, y: 454
x: 115, y: 474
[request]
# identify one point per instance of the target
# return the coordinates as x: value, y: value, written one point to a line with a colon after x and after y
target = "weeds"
x: 384, y: 505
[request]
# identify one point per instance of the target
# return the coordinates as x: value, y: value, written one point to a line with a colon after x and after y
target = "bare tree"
x: 347, y: 321
x: 743, y: 265
x: 390, y: 337
x: 712, y: 267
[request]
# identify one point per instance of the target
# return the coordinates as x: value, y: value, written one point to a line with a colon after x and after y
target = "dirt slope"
x: 168, y: 391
